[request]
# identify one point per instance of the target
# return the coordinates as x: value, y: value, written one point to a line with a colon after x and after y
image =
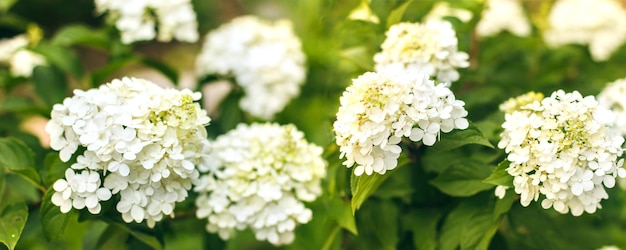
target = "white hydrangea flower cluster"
x: 137, y: 20
x: 140, y: 141
x: 564, y: 149
x: 258, y: 177
x: 21, y: 61
x: 423, y: 48
x: 612, y: 98
x: 265, y: 58
x: 378, y: 109
x: 601, y: 24
x: 501, y: 15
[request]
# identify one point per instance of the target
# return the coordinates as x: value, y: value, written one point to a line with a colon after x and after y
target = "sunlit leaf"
x: 363, y: 186
x: 12, y: 220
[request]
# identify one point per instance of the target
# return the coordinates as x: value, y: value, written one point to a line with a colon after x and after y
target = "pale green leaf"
x: 395, y: 16
x: 53, y: 221
x: 19, y: 158
x: 457, y: 138
x: 463, y: 178
x: 12, y: 221
x: 500, y: 176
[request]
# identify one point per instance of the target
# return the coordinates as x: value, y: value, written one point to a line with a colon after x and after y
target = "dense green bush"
x: 439, y: 197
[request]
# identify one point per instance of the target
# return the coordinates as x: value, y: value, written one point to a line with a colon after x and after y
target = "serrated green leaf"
x: 53, y: 221
x: 423, y: 225
x: 12, y: 221
x: 64, y: 58
x: 463, y: 178
x: 457, y: 138
x: 54, y: 168
x: 18, y: 158
x: 50, y: 84
x: 80, y: 34
x: 340, y: 211
x: 500, y: 176
x: 395, y: 16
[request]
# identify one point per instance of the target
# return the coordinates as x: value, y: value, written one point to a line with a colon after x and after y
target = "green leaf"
x: 16, y: 104
x: 53, y: 221
x: 395, y: 16
x: 113, y: 238
x: 165, y: 69
x: 457, y: 138
x: 504, y: 205
x: 378, y: 225
x: 145, y: 238
x: 12, y: 221
x: 5, y: 5
x: 54, y: 168
x: 340, y: 211
x: 19, y: 158
x: 363, y: 186
x: 50, y: 84
x: 62, y: 57
x: 423, y: 224
x: 500, y: 176
x: 80, y: 34
x: 463, y: 178
x: 470, y: 225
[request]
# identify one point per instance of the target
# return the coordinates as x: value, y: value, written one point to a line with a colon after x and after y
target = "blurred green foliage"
x: 440, y: 198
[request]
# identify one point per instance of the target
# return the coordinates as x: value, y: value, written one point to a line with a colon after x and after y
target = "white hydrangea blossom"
x: 378, y: 109
x: 143, y: 141
x: 423, y: 48
x: 257, y: 177
x: 501, y: 15
x: 265, y: 58
x: 21, y: 61
x: 139, y: 20
x: 564, y: 149
x: 601, y: 24
x: 612, y: 97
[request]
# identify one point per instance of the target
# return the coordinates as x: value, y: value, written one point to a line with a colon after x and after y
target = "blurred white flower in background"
x: 442, y: 9
x: 613, y: 97
x: 258, y: 176
x: 600, y: 24
x: 143, y: 141
x: 503, y: 15
x: 379, y: 109
x: 422, y: 48
x: 264, y: 58
x: 564, y: 148
x: 143, y: 20
x: 21, y: 61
